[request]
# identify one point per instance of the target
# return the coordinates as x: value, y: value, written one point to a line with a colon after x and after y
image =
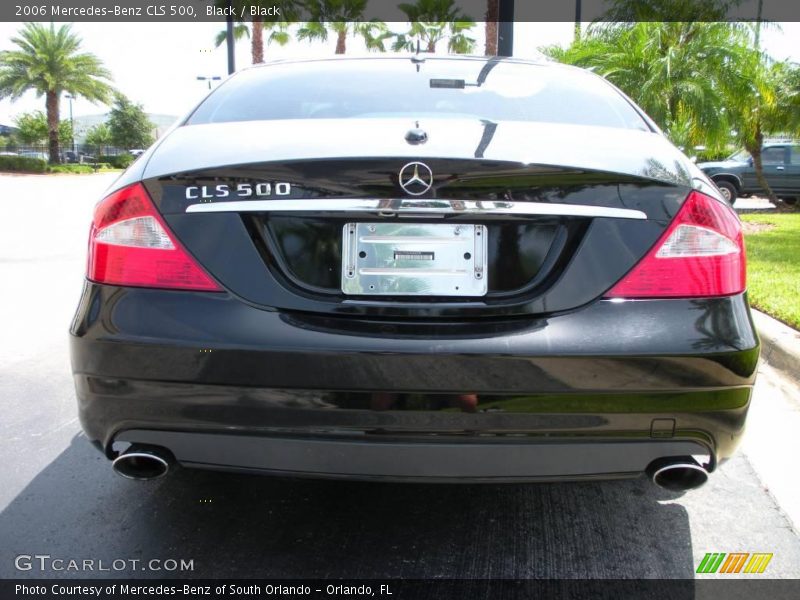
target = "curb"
x: 780, y: 345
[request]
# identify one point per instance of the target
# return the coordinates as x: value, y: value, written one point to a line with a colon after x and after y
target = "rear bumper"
x: 474, y: 461
x: 601, y: 391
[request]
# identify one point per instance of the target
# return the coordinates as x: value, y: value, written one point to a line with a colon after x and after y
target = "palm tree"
x: 278, y: 34
x: 279, y: 30
x: 680, y: 73
x: 703, y: 83
x: 492, y: 17
x: 343, y: 18
x: 48, y: 62
x: 767, y: 104
x: 627, y: 11
x: 431, y: 22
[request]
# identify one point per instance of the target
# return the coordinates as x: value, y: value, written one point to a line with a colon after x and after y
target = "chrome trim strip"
x: 415, y: 206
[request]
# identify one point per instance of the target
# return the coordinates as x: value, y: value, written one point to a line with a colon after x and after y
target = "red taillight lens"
x: 701, y: 254
x: 130, y: 245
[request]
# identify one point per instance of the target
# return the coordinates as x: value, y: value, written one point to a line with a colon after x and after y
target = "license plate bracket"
x: 414, y: 259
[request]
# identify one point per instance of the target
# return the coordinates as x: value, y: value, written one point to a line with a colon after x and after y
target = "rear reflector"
x: 131, y: 245
x: 701, y: 254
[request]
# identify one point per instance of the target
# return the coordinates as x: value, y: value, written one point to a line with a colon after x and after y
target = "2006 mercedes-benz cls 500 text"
x: 420, y: 269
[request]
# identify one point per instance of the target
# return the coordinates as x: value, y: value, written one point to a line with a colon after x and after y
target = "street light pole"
x: 70, y: 97
x: 229, y: 42
x: 505, y: 28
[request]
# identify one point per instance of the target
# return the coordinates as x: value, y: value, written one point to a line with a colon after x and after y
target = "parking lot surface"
x: 59, y: 496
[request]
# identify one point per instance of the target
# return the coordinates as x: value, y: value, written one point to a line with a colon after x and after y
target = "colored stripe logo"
x: 734, y: 562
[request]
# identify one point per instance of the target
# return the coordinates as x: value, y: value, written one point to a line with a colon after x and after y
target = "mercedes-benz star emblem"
x: 416, y: 178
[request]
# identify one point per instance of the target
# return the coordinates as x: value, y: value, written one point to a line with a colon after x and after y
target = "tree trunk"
x: 341, y: 41
x: 492, y: 15
x: 431, y: 46
x: 51, y: 103
x: 755, y: 152
x: 257, y: 40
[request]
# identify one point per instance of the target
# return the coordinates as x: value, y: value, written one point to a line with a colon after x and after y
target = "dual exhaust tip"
x: 143, y: 463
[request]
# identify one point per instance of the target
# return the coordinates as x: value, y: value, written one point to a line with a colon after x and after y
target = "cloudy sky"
x: 157, y: 64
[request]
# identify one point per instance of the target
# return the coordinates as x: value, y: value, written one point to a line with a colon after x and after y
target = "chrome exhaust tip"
x: 677, y: 474
x: 141, y: 464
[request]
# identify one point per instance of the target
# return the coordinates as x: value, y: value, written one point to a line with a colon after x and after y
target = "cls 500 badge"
x: 241, y: 190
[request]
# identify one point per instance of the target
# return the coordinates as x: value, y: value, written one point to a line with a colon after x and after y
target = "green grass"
x: 23, y: 165
x: 82, y: 169
x: 773, y: 266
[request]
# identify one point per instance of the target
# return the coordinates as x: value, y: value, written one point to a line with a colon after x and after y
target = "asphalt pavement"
x: 59, y: 497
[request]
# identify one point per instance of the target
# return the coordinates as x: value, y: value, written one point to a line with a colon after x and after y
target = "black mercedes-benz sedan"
x: 419, y: 269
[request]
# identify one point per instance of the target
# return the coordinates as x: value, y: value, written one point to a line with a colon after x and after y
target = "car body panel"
x: 424, y: 461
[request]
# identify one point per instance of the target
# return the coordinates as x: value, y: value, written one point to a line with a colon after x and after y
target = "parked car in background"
x: 736, y: 176
x: 136, y: 152
x: 31, y: 154
x: 77, y: 157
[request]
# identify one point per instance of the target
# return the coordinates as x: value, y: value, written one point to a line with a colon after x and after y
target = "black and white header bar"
x: 389, y: 10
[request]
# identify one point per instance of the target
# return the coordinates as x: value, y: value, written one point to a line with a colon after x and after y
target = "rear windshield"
x: 440, y: 88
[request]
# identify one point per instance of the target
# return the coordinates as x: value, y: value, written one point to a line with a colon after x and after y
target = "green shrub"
x: 710, y: 155
x: 22, y: 164
x: 124, y: 161
x: 120, y: 161
x: 71, y: 168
